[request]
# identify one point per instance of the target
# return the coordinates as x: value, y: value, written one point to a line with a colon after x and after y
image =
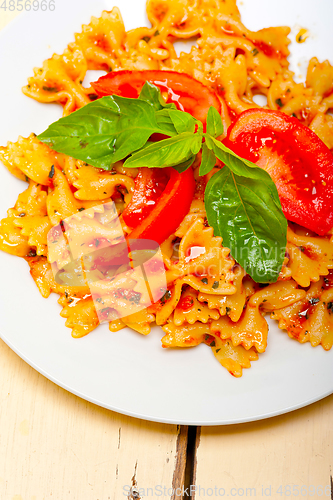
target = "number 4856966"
x: 295, y: 490
x: 20, y: 5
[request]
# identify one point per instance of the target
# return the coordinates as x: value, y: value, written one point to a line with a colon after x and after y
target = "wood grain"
x: 293, y: 449
x: 180, y: 465
x: 54, y: 445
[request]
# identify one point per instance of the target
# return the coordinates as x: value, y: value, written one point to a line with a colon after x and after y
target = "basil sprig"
x: 109, y: 129
x: 245, y: 196
x: 241, y: 199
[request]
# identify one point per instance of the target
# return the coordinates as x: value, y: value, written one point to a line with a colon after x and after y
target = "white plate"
x: 125, y: 371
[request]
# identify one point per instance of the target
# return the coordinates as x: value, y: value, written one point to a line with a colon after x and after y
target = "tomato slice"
x: 300, y: 164
x: 149, y: 186
x: 162, y: 197
x: 171, y: 208
x: 184, y: 91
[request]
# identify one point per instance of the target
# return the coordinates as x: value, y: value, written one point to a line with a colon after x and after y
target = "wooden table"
x: 55, y: 446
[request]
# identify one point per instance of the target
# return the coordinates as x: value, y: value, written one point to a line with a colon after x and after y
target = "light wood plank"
x: 293, y: 449
x: 54, y: 445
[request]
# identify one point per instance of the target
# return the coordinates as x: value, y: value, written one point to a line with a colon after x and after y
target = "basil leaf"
x: 182, y: 121
x: 214, y: 122
x: 175, y: 122
x: 243, y: 212
x: 208, y: 160
x: 241, y: 166
x: 152, y: 94
x: 185, y: 165
x: 168, y: 117
x: 165, y: 123
x: 104, y: 131
x: 167, y: 153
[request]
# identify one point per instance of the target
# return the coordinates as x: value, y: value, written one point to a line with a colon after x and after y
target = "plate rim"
x: 42, y: 371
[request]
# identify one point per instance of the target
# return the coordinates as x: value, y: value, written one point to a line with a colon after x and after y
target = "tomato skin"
x: 170, y: 210
x: 300, y: 164
x: 149, y: 185
x: 184, y: 91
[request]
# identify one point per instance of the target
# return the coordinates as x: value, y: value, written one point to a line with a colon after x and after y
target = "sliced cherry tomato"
x: 149, y: 185
x: 184, y: 91
x: 300, y: 164
x: 171, y: 208
x: 186, y: 303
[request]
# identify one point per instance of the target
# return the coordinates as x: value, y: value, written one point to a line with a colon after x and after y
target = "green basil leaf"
x: 214, y: 122
x: 165, y: 123
x: 167, y: 153
x: 168, y: 117
x: 152, y: 94
x: 175, y: 122
x: 243, y: 167
x: 245, y: 215
x: 182, y: 121
x: 208, y: 160
x: 185, y: 165
x: 104, y: 131
x: 197, y: 143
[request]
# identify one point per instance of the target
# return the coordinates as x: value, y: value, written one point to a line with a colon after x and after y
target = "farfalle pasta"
x: 210, y: 298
